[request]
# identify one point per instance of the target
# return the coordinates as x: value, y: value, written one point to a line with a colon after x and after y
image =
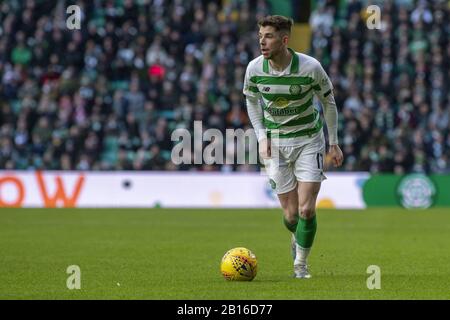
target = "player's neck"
x: 280, y: 61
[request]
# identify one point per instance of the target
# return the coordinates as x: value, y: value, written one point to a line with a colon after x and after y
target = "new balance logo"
x: 266, y: 89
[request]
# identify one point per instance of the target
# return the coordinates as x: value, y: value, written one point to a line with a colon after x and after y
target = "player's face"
x: 271, y: 42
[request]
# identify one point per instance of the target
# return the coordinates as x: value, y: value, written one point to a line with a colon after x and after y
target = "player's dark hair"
x: 280, y: 23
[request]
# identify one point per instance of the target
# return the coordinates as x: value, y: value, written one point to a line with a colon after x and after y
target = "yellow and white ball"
x: 239, y: 264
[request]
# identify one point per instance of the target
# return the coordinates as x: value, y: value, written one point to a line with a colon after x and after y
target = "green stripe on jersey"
x: 295, y: 61
x: 267, y: 80
x: 266, y: 66
x: 253, y: 89
x: 296, y: 122
x: 300, y: 133
x: 287, y: 96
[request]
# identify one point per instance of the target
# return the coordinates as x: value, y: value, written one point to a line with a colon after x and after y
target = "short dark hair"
x: 280, y: 23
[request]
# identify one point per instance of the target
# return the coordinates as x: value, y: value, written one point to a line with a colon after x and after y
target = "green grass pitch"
x: 175, y: 254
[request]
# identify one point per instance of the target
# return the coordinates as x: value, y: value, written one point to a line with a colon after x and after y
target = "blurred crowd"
x: 392, y: 84
x: 108, y: 96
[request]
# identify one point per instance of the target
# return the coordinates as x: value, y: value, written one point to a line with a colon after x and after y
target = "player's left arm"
x: 324, y: 91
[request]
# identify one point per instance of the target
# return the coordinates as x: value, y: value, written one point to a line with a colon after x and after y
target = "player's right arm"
x: 255, y: 113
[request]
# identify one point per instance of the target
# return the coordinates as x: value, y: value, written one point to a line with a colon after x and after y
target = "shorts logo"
x: 273, y: 184
x: 295, y: 89
x: 266, y: 89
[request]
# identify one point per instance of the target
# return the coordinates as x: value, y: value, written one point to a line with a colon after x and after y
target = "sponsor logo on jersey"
x: 283, y: 112
x: 281, y: 102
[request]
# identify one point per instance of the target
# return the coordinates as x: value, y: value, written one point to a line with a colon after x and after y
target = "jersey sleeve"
x: 250, y: 88
x: 324, y: 91
x: 254, y: 111
x: 322, y: 84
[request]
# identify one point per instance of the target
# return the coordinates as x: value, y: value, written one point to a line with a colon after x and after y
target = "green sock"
x: 292, y: 227
x: 306, y: 230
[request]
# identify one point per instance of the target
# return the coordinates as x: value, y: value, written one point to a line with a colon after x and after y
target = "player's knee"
x: 307, y: 212
x: 288, y: 205
x: 291, y: 212
x: 291, y: 216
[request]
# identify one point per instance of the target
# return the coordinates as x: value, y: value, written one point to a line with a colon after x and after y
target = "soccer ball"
x: 239, y: 264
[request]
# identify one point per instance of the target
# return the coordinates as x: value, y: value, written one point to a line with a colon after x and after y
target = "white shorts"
x: 302, y: 163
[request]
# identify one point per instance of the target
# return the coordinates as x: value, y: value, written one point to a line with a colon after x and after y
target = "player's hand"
x: 336, y: 155
x: 265, y: 149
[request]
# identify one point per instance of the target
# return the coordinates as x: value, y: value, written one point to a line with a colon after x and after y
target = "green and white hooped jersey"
x: 287, y: 97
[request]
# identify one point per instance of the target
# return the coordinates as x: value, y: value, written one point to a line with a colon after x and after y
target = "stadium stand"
x: 391, y: 85
x: 108, y: 96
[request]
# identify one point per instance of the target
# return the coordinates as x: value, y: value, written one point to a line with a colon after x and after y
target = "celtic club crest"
x: 295, y: 89
x: 273, y: 184
x: 416, y: 191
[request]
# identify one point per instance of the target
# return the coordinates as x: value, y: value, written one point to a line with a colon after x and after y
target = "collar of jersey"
x: 294, y: 64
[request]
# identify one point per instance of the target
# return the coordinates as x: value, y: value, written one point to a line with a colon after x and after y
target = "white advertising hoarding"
x: 166, y: 189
